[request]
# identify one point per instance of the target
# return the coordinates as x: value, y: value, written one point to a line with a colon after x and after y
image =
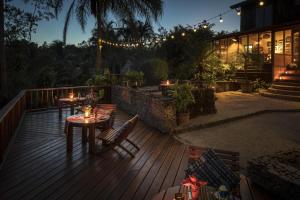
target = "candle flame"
x: 168, y: 82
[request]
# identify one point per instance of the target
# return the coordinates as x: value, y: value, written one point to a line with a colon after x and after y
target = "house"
x: 269, y: 29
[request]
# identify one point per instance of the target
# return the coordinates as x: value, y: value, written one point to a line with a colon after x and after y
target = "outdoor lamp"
x: 221, y: 19
x: 261, y: 3
x: 71, y: 95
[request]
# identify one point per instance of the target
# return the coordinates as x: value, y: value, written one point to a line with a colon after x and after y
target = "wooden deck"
x: 38, y: 167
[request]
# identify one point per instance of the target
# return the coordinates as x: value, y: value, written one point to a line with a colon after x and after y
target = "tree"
x: 3, y: 76
x: 120, y: 9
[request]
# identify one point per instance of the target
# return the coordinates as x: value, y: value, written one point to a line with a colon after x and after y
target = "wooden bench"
x: 246, y: 190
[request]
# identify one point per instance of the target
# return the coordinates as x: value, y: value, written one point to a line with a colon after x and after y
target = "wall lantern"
x: 261, y: 3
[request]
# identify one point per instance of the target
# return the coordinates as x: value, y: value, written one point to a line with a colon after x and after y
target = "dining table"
x: 88, y: 125
x: 72, y: 102
x: 205, y: 193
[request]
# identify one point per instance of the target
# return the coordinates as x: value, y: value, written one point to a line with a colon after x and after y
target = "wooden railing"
x: 47, y: 97
x: 36, y: 99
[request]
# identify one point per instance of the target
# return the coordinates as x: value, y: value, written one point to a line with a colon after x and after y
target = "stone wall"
x: 279, y: 174
x: 153, y: 109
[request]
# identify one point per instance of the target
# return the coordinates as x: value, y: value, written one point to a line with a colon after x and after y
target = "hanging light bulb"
x: 238, y: 12
x: 261, y: 3
x: 221, y: 19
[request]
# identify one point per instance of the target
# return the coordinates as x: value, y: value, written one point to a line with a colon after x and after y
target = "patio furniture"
x: 111, y: 138
x: 86, y: 124
x: 107, y: 107
x: 169, y: 194
x: 72, y: 102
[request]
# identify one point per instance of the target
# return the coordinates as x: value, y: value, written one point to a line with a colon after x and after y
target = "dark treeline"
x: 55, y: 64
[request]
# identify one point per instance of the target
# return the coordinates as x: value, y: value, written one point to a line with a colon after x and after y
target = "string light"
x: 221, y: 19
x: 156, y: 40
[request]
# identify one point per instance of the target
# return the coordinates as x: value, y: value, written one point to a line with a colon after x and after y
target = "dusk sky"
x: 185, y: 12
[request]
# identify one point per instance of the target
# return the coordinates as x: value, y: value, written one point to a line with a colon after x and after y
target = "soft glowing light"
x: 286, y: 72
x: 168, y: 82
x: 280, y: 78
x: 221, y: 19
x: 204, y: 26
x: 261, y: 3
x: 71, y: 95
x: 238, y: 12
x: 164, y: 39
x: 183, y: 34
x: 195, y: 30
x: 87, y: 113
x: 172, y: 36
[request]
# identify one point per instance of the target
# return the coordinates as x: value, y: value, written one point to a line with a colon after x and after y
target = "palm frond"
x: 67, y: 21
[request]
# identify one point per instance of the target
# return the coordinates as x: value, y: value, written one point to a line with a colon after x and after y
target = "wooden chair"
x: 111, y: 138
x: 113, y: 109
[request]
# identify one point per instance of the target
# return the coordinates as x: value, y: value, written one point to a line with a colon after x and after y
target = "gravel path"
x: 252, y: 137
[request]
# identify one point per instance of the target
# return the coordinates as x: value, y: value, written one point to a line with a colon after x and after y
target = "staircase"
x: 253, y: 73
x: 287, y: 87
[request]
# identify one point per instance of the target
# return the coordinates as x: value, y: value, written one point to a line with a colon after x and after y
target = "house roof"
x: 241, y: 4
x: 267, y: 28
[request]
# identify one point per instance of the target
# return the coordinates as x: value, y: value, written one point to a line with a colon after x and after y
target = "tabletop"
x: 75, y: 99
x: 206, y: 193
x: 92, y: 119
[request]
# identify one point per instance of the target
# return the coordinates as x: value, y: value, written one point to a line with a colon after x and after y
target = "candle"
x: 168, y: 82
x: 87, y: 113
x: 71, y: 95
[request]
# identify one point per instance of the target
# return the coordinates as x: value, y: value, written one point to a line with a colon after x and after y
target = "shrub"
x: 134, y: 78
x: 183, y: 97
x: 155, y: 70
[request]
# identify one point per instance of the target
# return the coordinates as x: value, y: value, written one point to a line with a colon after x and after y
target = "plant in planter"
x: 183, y: 99
x: 249, y: 60
x: 134, y: 78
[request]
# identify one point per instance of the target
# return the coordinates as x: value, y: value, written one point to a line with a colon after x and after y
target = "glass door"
x: 296, y: 47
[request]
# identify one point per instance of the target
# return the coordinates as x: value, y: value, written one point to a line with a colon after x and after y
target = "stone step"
x: 284, y: 92
x: 280, y: 96
x: 290, y: 77
x: 286, y: 82
x: 293, y: 72
x: 286, y: 87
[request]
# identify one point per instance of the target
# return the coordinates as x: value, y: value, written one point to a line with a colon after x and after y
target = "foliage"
x: 183, y: 96
x: 155, y: 70
x: 134, y: 78
x: 184, y: 53
x: 260, y: 84
x: 49, y: 65
x: 100, y: 80
x: 20, y: 24
x: 246, y: 59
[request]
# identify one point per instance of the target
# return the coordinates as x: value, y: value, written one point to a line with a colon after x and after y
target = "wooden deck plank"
x: 38, y: 166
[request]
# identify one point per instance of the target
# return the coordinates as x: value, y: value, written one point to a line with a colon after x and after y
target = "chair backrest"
x: 112, y: 107
x: 124, y: 131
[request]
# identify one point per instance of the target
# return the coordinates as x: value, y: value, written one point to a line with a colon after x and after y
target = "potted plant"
x: 183, y: 99
x: 249, y: 59
x: 134, y: 78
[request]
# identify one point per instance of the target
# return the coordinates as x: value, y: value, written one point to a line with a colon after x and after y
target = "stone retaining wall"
x: 156, y: 111
x: 279, y: 174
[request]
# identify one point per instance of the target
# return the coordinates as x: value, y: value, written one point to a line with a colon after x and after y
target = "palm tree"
x: 120, y: 9
x: 136, y: 31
